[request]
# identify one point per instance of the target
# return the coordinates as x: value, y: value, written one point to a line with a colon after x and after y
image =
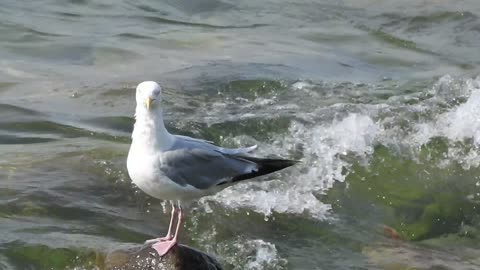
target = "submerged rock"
x: 416, y: 199
x: 25, y: 256
x: 180, y: 257
x: 402, y: 255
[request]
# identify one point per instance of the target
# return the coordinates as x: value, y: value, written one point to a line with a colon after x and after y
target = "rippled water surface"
x: 380, y: 100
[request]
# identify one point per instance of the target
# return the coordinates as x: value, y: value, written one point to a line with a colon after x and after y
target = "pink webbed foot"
x: 169, y: 236
x: 164, y: 244
x: 163, y: 247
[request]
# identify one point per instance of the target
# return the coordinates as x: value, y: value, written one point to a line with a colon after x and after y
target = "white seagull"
x: 180, y: 168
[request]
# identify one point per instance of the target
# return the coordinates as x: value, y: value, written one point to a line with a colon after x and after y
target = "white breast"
x: 144, y: 170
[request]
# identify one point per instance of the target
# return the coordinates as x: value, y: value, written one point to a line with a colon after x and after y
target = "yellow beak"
x: 148, y: 102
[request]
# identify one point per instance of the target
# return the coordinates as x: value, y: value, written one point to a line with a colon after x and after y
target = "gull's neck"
x: 149, y: 130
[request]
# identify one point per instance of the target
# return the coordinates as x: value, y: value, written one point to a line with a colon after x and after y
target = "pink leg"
x: 163, y: 247
x: 170, y: 227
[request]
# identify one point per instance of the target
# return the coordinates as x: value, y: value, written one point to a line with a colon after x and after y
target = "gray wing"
x: 203, y: 165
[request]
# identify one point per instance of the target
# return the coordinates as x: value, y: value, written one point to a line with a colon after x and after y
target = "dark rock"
x: 180, y: 257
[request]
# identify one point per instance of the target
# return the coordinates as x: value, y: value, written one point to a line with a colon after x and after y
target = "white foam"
x: 449, y: 88
x: 320, y: 167
x: 253, y: 255
x: 462, y: 122
x: 266, y: 256
x: 452, y: 110
x: 458, y: 123
x: 300, y: 85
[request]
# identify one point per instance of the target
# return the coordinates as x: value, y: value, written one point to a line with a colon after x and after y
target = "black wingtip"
x: 265, y: 166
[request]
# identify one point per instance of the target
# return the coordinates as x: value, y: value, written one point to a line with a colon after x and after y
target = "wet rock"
x: 180, y: 257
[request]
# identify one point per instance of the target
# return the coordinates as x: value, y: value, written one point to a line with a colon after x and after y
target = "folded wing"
x: 203, y: 168
x: 204, y: 165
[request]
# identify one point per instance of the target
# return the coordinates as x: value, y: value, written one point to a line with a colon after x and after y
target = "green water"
x: 379, y: 100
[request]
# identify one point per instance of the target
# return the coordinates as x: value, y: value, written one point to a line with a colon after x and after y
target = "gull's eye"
x: 156, y: 92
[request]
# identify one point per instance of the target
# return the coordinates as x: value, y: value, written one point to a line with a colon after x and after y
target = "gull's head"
x: 148, y: 95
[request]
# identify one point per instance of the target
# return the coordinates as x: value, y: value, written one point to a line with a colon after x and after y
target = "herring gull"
x: 180, y: 168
